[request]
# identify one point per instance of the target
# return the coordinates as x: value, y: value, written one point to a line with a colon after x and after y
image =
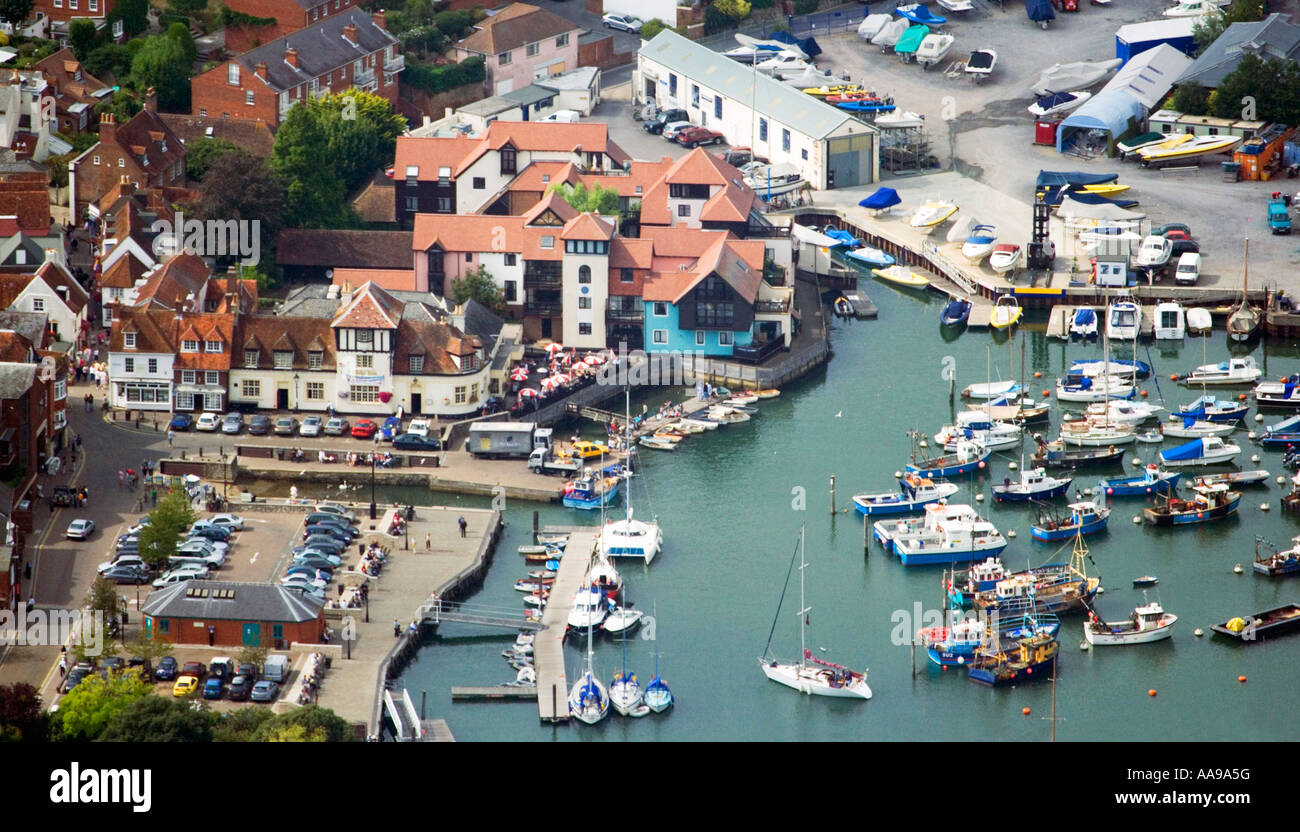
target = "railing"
x: 756, y: 354
x: 772, y: 307
x: 767, y: 231
x: 633, y: 315
x: 543, y: 281
x: 543, y: 309
x: 395, y: 64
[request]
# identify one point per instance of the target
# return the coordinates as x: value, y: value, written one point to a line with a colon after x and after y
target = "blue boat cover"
x: 1189, y: 450
x: 1085, y: 315
x: 882, y: 198
x: 867, y: 106
x: 842, y: 236
x: 1039, y: 10
x: 922, y: 14
x: 1285, y: 426
x: 1057, y: 178
x: 1055, y: 196
x: 808, y: 45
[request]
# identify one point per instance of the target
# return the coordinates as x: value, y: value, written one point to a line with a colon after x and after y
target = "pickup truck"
x: 543, y: 462
x: 1279, y: 218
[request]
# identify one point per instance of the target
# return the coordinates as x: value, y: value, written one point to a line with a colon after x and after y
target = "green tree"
x: 240, y: 724
x: 734, y: 9
x: 134, y: 15
x: 149, y: 649
x: 104, y: 598
x: 14, y: 12
x: 87, y: 709
x: 83, y: 37
x: 478, y: 285
x: 205, y: 150
x: 155, y: 718
x: 806, y: 6
x: 314, y: 190
x: 241, y: 187
x: 306, y: 724
x: 188, y: 8
x: 1257, y: 89
x: 167, y: 523
x: 108, y: 62
x: 652, y: 27
x: 255, y: 656
x: 1191, y: 99
x: 180, y: 33
x: 121, y: 104
x: 21, y: 715
x: 597, y: 199
x: 161, y: 63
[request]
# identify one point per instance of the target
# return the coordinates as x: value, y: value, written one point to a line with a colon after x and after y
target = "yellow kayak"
x: 902, y: 276
x: 1104, y: 190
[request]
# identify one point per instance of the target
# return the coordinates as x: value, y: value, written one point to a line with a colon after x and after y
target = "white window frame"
x: 251, y: 357
x: 211, y: 377
x: 415, y: 364
x: 187, y: 376
x: 282, y: 359
x: 364, y: 393
x: 252, y: 388
x: 189, y: 345
x: 658, y: 305
x: 725, y: 338
x: 365, y: 361
x: 128, y: 340
x: 152, y: 366
x: 38, y: 304
x: 212, y: 346
x: 315, y: 360
x: 315, y: 390
x: 659, y: 336
x: 699, y: 338
x: 232, y: 74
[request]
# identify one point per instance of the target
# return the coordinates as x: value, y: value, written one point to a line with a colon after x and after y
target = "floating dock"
x: 493, y: 693
x: 552, y: 689
x: 862, y: 305
x: 1058, y: 324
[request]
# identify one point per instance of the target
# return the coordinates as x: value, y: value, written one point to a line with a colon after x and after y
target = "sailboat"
x: 1245, y: 318
x: 628, y: 538
x: 658, y: 697
x: 588, y: 699
x: 625, y: 691
x: 811, y: 675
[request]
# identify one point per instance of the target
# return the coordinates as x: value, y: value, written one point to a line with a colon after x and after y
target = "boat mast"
x: 804, y: 609
x: 627, y: 455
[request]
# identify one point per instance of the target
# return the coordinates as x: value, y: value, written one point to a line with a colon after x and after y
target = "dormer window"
x: 412, y: 174
x: 212, y: 346
x: 284, y: 359
x: 189, y: 346
x: 508, y: 160
x: 444, y: 176
x: 128, y: 340
x: 416, y: 364
x: 250, y: 358
x: 315, y: 359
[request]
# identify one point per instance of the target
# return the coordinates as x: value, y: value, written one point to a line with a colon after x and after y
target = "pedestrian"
x: 212, y: 635
x: 121, y: 477
x: 397, y: 626
x: 63, y: 666
x: 27, y: 571
x: 428, y: 542
x: 415, y: 626
x: 361, y: 548
x: 40, y: 492
x: 31, y: 603
x: 170, y: 436
x: 463, y: 525
x: 154, y: 496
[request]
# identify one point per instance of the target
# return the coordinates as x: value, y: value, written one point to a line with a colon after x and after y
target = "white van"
x: 565, y: 116
x: 1189, y: 269
x: 276, y: 668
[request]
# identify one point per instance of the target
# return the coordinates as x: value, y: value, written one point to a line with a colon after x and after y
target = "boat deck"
x: 981, y: 312
x: 1058, y: 324
x: 548, y: 650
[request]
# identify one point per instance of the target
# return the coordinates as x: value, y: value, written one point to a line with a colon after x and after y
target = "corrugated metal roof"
x: 1148, y: 76
x: 794, y: 109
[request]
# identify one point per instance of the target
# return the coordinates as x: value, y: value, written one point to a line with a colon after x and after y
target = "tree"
x: 21, y: 716
x: 306, y: 724
x: 240, y: 724
x: 121, y: 104
x: 87, y: 709
x: 180, y: 33
x: 1191, y: 99
x: 187, y: 7
x: 149, y: 649
x: 205, y: 150
x: 478, y: 285
x: 14, y: 12
x: 255, y: 656
x: 156, y: 718
x: 104, y: 598
x: 1257, y: 89
x: 167, y: 522
x: 109, y: 61
x: 83, y: 37
x: 237, y: 186
x: 734, y: 9
x: 314, y: 192
x: 597, y: 199
x: 134, y: 15
x: 652, y: 27
x: 162, y: 63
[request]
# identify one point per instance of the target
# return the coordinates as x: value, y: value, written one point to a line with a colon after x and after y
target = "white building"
x: 832, y: 148
x: 55, y: 293
x: 141, y: 355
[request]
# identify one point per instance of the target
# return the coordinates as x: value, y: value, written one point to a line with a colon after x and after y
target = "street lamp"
x: 295, y: 393
x: 372, y: 487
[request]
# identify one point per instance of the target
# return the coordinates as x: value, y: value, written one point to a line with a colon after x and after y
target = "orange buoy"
x: 1037, y: 374
x: 1151, y: 692
x: 1241, y: 397
x: 1024, y: 711
x: 1173, y: 376
x: 1144, y: 394
x: 1241, y: 678
x: 1047, y: 393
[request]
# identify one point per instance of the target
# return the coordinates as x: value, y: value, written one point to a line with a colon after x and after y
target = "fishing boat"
x: 1283, y: 393
x: 1029, y: 658
x: 1190, y: 428
x: 1004, y: 258
x: 1195, y: 147
x: 979, y: 243
x: 1006, y: 312
x: 1138, y: 142
x: 1081, y: 388
x: 1285, y: 433
x: 1170, y: 321
x: 1256, y: 477
x: 919, y: 13
x: 1148, y: 623
x: 1034, y: 484
x: 1245, y: 318
x: 1085, y: 517
x: 965, y: 584
x: 945, y: 542
x: 1146, y: 581
x: 810, y: 675
x: 916, y: 493
x: 870, y: 256
x: 911, y: 41
x: 1152, y: 481
x: 1261, y: 625
x: 1199, y: 321
x: 1213, y: 409
x: 1122, y: 412
x: 1208, y: 450
x: 843, y: 307
x: 590, y: 492
x: 1083, y: 324
x: 934, y: 47
x: 956, y: 644
x: 991, y: 390
x: 955, y: 312
x: 1123, y: 320
x: 902, y: 276
x: 887, y: 531
x: 1055, y: 588
x: 1274, y: 563
x: 1057, y: 455
x: 1058, y: 103
x: 1092, y: 433
x: 980, y: 64
x: 966, y: 458
x: 1236, y: 370
x: 1212, y: 502
x: 768, y: 180
x: 931, y: 214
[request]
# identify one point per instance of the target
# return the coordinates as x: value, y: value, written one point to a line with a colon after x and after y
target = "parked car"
x: 265, y: 691
x: 131, y: 559
x: 223, y: 521
x: 1182, y: 247
x: 202, y: 546
x: 303, y: 581
x: 623, y: 22
x: 248, y: 671
x: 113, y: 663
x: 214, y: 688
x: 564, y: 117
x: 80, y: 529
x: 307, y: 571
x: 317, y: 561
x: 364, y: 429
x: 74, y: 677
x: 233, y: 423
x: 655, y: 125
x: 589, y: 450
x: 316, y: 595
x: 696, y: 136
x: 127, y: 575
x: 1163, y: 231
x: 212, y: 560
x: 311, y: 426
x: 181, y: 421
x: 337, y: 508
x: 135, y: 529
x: 223, y: 667
x: 671, y: 129
x: 181, y: 573
x: 259, y: 425
x: 391, y: 428
x: 208, y: 422
x: 1188, y: 270
x: 285, y: 426
x: 240, y: 688
x: 419, y: 427
x: 195, y: 669
x: 185, y: 686
x: 738, y: 156
x: 63, y: 496
x: 415, y: 442
x: 166, y: 669
x: 333, y: 532
x: 336, y: 426
x: 211, y: 533
x: 325, y: 543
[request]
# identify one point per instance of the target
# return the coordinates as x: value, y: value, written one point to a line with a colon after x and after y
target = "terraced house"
x: 521, y: 44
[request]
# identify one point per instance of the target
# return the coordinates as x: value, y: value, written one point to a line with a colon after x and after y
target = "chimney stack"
x: 151, y: 100
x: 107, y: 128
x: 380, y: 18
x: 291, y: 57
x: 260, y: 70
x: 350, y: 33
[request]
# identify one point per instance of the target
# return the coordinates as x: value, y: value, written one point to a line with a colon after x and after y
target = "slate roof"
x: 330, y: 248
x: 1273, y: 37
x: 321, y: 49
x: 230, y: 600
x: 251, y: 134
x: 30, y: 325
x: 514, y: 26
x: 15, y: 379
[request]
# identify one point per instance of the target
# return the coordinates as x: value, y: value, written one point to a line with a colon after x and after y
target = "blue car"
x: 390, y: 428
x: 214, y: 687
x: 166, y: 670
x: 181, y: 421
x: 265, y: 691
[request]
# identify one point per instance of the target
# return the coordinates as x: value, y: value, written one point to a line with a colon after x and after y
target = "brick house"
x: 232, y: 614
x: 75, y: 91
x: 145, y: 149
x: 289, y: 15
x: 521, y: 44
x: 24, y: 194
x: 347, y: 49
x: 64, y: 11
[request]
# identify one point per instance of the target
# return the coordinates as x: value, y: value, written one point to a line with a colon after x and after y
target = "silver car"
x: 311, y: 426
x: 233, y: 423
x: 336, y: 426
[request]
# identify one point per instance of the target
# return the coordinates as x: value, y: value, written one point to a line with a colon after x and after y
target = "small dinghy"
x: 871, y: 256
x: 1004, y: 258
x: 1151, y: 437
x: 957, y: 5
x: 1145, y: 581
x: 841, y: 237
x: 1199, y: 321
x: 979, y: 243
x: 901, y: 276
x: 658, y: 443
x: 955, y: 312
x: 1257, y: 477
x: 980, y: 64
x: 1006, y: 310
x: 1083, y: 324
x: 767, y: 393
x: 558, y: 541
x: 843, y: 308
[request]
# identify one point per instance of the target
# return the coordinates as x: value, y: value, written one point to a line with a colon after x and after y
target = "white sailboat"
x: 625, y: 691
x: 810, y: 675
x: 588, y: 699
x: 658, y: 697
x: 628, y: 538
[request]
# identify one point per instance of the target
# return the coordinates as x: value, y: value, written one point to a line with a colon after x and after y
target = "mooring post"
x: 534, y: 526
x: 866, y: 538
x: 423, y: 695
x: 913, y: 657
x: 832, y: 495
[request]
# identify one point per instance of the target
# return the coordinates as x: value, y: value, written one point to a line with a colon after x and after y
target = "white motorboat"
x: 811, y: 675
x: 980, y: 64
x: 622, y: 620
x: 784, y: 63
x: 1074, y: 76
x: 1058, y: 103
x: 1004, y: 258
x: 931, y: 214
x: 890, y: 33
x: 961, y: 229
x: 979, y: 243
x: 1034, y: 484
x: 936, y: 514
x: 1170, y: 321
x: 1207, y: 450
x: 991, y: 390
x: 872, y: 24
x: 1123, y: 320
x: 773, y: 180
x: 1083, y: 324
x: 1199, y: 321
x: 590, y: 606
x: 1092, y: 433
x: 1006, y: 310
x: 1154, y: 252
x: 1192, y: 8
x: 957, y: 5
x: 949, y: 542
x: 934, y: 46
x: 1183, y: 427
x: 1284, y: 393
x: 995, y: 436
x: 1099, y: 368
x: 1081, y: 388
x: 1122, y: 412
x: 1237, y: 370
x: 1148, y: 623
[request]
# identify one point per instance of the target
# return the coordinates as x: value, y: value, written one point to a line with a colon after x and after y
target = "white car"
x: 302, y: 580
x: 80, y: 529
x: 229, y: 522
x: 208, y: 422
x: 182, y: 573
x: 625, y: 22
x: 144, y: 521
x: 311, y: 426
x: 203, y: 544
x: 671, y: 128
x: 335, y: 508
x: 124, y: 560
x: 419, y: 427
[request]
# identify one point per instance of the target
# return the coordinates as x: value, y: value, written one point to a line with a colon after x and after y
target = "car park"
x: 622, y: 22
x: 333, y: 520
x: 127, y: 575
x: 80, y: 529
x: 181, y: 421
x: 240, y: 688
x: 211, y: 533
x: 364, y: 429
x: 336, y: 426
x: 208, y: 422
x: 259, y: 425
x: 655, y: 124
x: 225, y: 521
x: 182, y: 573
x: 166, y: 669
x: 391, y: 427
x: 233, y: 424
x: 185, y: 686
x: 696, y: 136
x: 311, y: 426
x: 670, y: 130
x: 414, y: 442
x: 265, y: 691
x: 285, y: 426
x: 214, y: 687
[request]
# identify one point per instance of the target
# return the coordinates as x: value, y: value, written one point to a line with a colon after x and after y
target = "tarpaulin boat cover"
x: 882, y: 198
x: 911, y: 39
x: 1055, y: 196
x: 1057, y: 178
x: 1072, y: 209
x: 980, y: 59
x: 918, y: 13
x: 1085, y: 315
x: 808, y: 45
x: 1039, y: 10
x: 1073, y: 76
x: 889, y: 35
x: 872, y: 24
x: 1190, y: 450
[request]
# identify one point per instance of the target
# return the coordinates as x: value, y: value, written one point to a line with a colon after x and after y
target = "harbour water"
x: 731, y: 503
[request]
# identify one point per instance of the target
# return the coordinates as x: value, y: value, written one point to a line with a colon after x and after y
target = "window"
x: 58, y: 4
x: 714, y: 315
x: 480, y: 183
x: 762, y: 129
x: 315, y: 359
x: 584, y: 302
x: 189, y: 346
x: 548, y: 242
x: 417, y: 364
x: 442, y: 204
x: 277, y: 630
x: 584, y: 274
x: 128, y: 365
x: 283, y: 360
x: 164, y: 624
x: 503, y: 59
x: 153, y: 365
x: 232, y: 74
x: 672, y: 85
x: 804, y: 154
x: 364, y: 393
x: 508, y: 161
x: 785, y: 140
x: 121, y: 163
x: 366, y: 337
x: 511, y: 259
x: 531, y: 50
x: 248, y: 98
x: 60, y: 390
x: 660, y: 309
x: 584, y: 329
x: 695, y: 95
x: 683, y: 210
x: 94, y: 5
x: 625, y: 276
x: 413, y: 203
x: 717, y: 106
x: 187, y: 376
x: 460, y: 395
x: 562, y: 41
x: 252, y: 388
x: 315, y: 390
x: 699, y: 337
x: 365, y: 361
x: 444, y: 176
x: 725, y: 339
x: 38, y: 304
x: 250, y: 358
x: 212, y: 377
x: 72, y: 4
x: 128, y: 340
x: 660, y: 336
x: 212, y: 346
x: 687, y: 191
x: 512, y: 292
x: 94, y: 160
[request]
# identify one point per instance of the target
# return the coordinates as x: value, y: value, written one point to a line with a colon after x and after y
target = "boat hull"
x: 941, y: 469
x: 1191, y: 517
x: 1107, y: 635
x: 1068, y: 532
x: 1006, y: 495
x: 812, y: 682
x: 1010, y: 676
x: 933, y: 557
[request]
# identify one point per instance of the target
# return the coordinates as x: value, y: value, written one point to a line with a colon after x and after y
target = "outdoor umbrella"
x: 554, y: 347
x: 527, y: 392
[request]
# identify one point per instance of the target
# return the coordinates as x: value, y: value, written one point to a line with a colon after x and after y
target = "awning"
x: 200, y: 389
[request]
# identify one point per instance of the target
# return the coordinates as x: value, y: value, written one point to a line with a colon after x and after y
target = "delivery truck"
x: 506, y: 439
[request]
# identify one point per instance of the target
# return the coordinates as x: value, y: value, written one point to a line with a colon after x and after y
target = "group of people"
x: 373, y: 558
x: 311, y: 677
x: 128, y: 479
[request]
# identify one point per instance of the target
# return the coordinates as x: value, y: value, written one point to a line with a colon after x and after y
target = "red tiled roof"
x: 554, y: 203
x: 302, y: 335
x: 587, y: 226
x: 155, y: 330
x: 370, y: 308
x: 204, y: 327
x: 170, y: 285
x: 402, y: 280
x: 479, y: 232
x: 123, y: 274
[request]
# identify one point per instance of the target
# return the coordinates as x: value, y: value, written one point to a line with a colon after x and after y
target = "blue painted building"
x: 707, y: 306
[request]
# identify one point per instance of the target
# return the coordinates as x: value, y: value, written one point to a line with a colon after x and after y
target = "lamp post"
x: 372, y: 487
x: 295, y: 392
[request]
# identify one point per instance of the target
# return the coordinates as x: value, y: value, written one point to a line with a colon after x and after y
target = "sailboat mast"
x: 627, y: 455
x: 803, y: 607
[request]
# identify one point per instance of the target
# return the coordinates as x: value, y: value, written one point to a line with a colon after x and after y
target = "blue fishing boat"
x: 920, y: 13
x: 1212, y: 502
x: 887, y: 531
x: 1035, y: 484
x: 955, y: 312
x: 956, y: 645
x: 1045, y: 589
x: 1213, y: 409
x: 842, y: 237
x: 917, y: 492
x: 1272, y: 562
x: 590, y: 492
x: 873, y: 257
x: 1030, y: 658
x: 968, y: 457
x: 1284, y: 434
x: 1084, y: 518
x: 1152, y: 481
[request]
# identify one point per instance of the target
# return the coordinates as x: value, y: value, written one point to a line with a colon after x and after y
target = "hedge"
x: 435, y: 79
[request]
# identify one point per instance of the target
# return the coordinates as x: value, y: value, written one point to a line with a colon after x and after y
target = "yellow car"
x: 185, y: 686
x: 586, y: 450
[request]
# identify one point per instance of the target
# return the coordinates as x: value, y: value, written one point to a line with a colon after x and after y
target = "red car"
x: 364, y: 429
x: 696, y: 136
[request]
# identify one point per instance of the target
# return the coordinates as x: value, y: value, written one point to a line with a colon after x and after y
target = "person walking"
x: 63, y: 665
x: 397, y: 627
x: 121, y: 478
x: 428, y: 542
x: 460, y: 521
x: 171, y: 434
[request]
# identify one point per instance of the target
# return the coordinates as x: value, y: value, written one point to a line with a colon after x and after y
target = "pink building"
x: 521, y: 44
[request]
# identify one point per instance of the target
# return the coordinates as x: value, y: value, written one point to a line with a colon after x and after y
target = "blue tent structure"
x: 882, y: 198
x: 1039, y: 11
x: 1112, y: 112
x: 808, y: 45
